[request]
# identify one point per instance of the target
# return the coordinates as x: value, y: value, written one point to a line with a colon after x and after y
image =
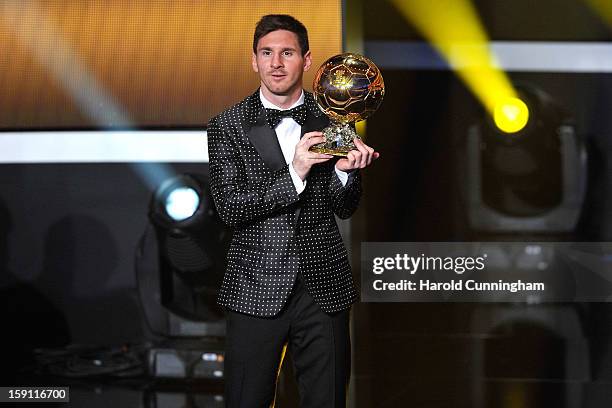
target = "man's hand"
x: 304, y: 159
x: 357, y: 159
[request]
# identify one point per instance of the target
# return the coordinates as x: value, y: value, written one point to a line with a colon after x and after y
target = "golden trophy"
x: 347, y: 88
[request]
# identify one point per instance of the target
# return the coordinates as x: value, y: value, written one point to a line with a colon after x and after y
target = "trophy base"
x: 338, y: 140
x: 324, y: 150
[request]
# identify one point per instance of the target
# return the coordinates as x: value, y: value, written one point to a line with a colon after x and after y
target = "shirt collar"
x: 267, y: 104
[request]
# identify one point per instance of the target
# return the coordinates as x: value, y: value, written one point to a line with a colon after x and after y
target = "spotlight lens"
x: 182, y: 203
x: 511, y: 115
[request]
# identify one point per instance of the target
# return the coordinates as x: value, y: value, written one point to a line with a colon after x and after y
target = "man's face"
x: 280, y: 63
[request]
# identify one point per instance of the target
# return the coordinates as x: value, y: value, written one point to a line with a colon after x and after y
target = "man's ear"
x: 307, y: 61
x: 254, y: 63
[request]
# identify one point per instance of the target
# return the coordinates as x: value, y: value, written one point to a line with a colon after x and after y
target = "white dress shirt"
x: 288, y: 132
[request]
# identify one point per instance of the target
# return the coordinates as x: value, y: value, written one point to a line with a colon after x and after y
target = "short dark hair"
x: 273, y: 22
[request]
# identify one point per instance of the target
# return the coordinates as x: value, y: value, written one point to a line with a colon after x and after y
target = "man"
x: 288, y: 279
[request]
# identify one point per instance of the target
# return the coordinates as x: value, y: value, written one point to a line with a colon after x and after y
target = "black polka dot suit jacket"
x: 276, y: 231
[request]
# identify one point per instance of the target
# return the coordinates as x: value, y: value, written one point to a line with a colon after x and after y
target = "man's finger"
x: 372, y: 154
x: 360, y: 142
x: 312, y: 134
x: 351, y: 158
x: 359, y: 157
x: 313, y: 155
x: 317, y: 160
x: 363, y: 158
x: 366, y: 152
x: 313, y: 141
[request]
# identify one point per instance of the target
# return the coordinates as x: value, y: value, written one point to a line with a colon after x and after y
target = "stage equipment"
x: 179, y: 267
x: 180, y: 260
x: 202, y: 359
x: 348, y: 88
x: 527, y: 185
x: 533, y: 180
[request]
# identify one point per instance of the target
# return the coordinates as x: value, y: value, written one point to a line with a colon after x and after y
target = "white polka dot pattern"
x: 259, y: 201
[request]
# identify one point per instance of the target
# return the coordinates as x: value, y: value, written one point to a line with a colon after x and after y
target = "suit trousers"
x: 319, y: 344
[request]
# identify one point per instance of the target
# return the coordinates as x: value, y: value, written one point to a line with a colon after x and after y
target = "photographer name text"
x: 458, y: 285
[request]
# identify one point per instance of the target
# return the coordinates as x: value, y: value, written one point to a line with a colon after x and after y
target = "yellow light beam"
x: 454, y: 29
x: 603, y: 8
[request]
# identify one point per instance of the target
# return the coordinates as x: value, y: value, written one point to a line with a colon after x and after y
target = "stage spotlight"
x: 511, y: 115
x: 180, y: 260
x: 526, y: 186
x: 182, y: 203
x: 532, y: 180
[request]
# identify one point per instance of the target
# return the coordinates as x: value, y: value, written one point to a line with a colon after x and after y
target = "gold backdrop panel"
x: 82, y: 64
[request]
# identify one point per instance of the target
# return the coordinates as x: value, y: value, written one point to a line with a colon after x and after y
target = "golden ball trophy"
x: 348, y: 88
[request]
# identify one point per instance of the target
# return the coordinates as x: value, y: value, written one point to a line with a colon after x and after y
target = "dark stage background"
x: 69, y: 237
x: 427, y: 353
x: 69, y: 231
x: 473, y: 355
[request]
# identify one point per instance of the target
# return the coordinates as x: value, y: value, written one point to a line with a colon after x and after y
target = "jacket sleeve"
x: 345, y: 199
x: 237, y: 201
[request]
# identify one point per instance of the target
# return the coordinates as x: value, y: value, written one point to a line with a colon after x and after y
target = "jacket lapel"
x: 315, y: 120
x: 261, y: 136
x: 314, y: 123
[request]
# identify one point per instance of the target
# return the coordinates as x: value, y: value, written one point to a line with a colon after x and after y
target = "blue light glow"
x: 182, y: 203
